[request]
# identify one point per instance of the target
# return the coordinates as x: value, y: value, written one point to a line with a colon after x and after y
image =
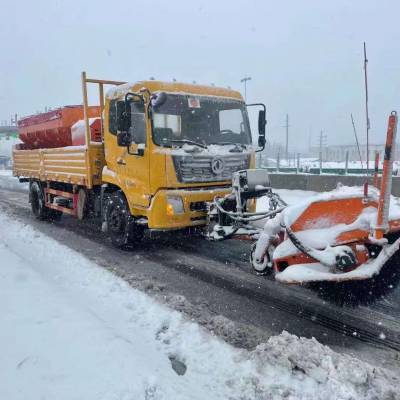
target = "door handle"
x: 121, y: 161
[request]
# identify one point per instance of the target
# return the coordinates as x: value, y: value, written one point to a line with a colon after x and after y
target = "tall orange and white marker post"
x: 382, y: 223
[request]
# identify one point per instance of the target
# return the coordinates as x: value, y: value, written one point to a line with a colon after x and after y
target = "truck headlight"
x: 174, y: 205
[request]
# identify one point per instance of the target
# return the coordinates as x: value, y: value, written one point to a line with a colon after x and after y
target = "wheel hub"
x: 116, y: 222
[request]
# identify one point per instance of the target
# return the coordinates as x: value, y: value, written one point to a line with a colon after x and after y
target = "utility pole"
x: 244, y: 80
x: 287, y: 138
x: 366, y: 104
x: 322, y: 143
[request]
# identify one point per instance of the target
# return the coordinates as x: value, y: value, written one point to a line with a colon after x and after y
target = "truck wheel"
x: 121, y: 226
x: 36, y: 198
x: 260, y: 267
x: 39, y: 210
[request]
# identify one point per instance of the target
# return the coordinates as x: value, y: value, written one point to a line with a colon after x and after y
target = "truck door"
x: 137, y: 158
x: 131, y: 165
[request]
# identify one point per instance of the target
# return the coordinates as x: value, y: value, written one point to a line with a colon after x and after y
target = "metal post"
x: 366, y: 104
x: 346, y: 166
x: 244, y: 80
x: 287, y: 137
x: 101, y: 95
x: 382, y: 223
x: 376, y: 172
x: 85, y: 109
x: 320, y: 162
x: 87, y: 129
x: 298, y: 163
x: 278, y: 160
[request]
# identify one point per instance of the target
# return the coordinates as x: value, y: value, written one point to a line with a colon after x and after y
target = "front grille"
x: 197, y: 168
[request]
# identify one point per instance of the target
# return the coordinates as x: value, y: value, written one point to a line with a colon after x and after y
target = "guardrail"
x: 317, y: 171
x: 322, y: 183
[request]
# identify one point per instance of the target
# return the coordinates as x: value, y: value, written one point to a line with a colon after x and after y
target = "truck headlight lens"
x: 174, y: 205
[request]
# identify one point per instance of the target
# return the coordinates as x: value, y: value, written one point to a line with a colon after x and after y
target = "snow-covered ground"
x: 72, y: 330
x: 6, y: 145
x: 7, y: 181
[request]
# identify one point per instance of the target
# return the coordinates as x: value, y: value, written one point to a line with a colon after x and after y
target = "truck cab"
x: 172, y: 147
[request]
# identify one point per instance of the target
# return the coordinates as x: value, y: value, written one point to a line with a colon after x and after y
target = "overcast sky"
x: 305, y: 57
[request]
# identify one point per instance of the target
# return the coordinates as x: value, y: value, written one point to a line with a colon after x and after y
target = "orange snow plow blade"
x: 346, y: 234
x: 324, y: 214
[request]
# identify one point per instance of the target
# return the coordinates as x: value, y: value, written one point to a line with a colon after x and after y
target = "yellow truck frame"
x: 131, y: 186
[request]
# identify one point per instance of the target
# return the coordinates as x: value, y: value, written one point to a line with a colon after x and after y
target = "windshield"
x: 200, y: 119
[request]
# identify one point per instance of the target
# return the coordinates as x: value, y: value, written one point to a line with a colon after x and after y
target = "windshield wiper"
x: 188, y: 142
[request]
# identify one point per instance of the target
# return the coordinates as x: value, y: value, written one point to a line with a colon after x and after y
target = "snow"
x: 109, y: 173
x: 212, y: 150
x: 78, y: 131
x: 119, y: 90
x: 313, y: 272
x: 10, y: 182
x: 320, y: 238
x: 291, y: 197
x: 6, y: 146
x: 75, y: 331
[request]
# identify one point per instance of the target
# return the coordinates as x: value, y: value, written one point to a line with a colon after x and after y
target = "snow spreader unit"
x: 347, y: 234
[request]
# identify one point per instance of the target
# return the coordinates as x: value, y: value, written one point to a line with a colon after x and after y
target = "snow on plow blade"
x: 315, y: 272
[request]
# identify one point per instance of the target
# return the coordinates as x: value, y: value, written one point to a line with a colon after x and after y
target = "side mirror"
x: 261, y: 128
x: 261, y: 123
x: 123, y: 124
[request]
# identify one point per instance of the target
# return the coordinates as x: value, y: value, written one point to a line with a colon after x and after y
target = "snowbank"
x: 9, y: 182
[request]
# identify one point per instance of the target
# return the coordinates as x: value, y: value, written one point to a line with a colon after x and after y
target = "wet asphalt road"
x: 213, y: 284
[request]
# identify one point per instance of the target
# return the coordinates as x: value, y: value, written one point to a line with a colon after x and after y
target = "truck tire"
x: 121, y: 227
x: 36, y: 198
x: 39, y: 210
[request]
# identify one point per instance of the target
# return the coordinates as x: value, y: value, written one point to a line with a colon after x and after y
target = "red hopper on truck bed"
x: 53, y: 128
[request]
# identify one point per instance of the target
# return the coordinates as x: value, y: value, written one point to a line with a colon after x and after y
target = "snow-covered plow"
x: 331, y: 237
x: 347, y: 234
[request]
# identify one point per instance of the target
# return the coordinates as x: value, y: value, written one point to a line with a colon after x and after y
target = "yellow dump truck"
x: 151, y: 155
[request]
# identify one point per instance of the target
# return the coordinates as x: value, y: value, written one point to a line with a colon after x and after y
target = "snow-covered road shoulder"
x: 10, y: 182
x: 72, y: 330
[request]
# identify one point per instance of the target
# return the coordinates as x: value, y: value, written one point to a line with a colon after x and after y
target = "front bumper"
x: 159, y: 218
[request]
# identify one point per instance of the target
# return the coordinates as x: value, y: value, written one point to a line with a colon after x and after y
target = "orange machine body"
x: 53, y: 128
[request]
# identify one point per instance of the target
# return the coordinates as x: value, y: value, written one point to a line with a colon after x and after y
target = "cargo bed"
x: 77, y: 165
